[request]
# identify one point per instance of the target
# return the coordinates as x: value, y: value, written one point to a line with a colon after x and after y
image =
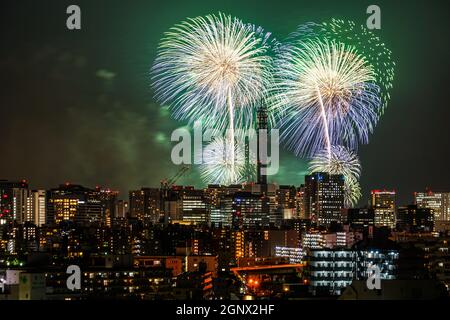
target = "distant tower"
x: 261, y: 163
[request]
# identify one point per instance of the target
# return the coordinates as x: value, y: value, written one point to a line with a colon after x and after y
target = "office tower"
x: 248, y: 211
x: 383, y: 203
x: 193, y: 206
x: 39, y: 200
x: 267, y: 194
x: 415, y: 219
x: 73, y: 203
x: 145, y: 204
x: 382, y: 198
x: 438, y: 202
x: 222, y: 212
x: 121, y: 209
x: 445, y: 206
x: 300, y: 202
x: 13, y: 197
x: 361, y: 217
x: 285, y: 201
x: 324, y: 197
x: 108, y: 201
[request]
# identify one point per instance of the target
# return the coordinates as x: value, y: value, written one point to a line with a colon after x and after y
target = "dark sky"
x: 77, y: 105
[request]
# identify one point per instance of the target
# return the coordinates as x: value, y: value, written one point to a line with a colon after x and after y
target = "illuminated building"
x: 286, y: 202
x: 201, y: 263
x: 438, y: 202
x: 414, y: 219
x: 193, y: 206
x: 116, y: 282
x: 223, y: 215
x: 300, y: 202
x: 248, y: 211
x: 39, y: 207
x: 330, y: 271
x: 13, y: 197
x: 295, y: 255
x: 145, y: 204
x: 385, y: 259
x: 266, y: 208
x: 239, y: 244
x: 108, y: 201
x: 35, y: 207
x: 121, y: 209
x: 312, y: 240
x: 315, y: 239
x: 324, y: 197
x: 361, y: 217
x: 73, y: 203
x: 383, y: 203
x: 383, y: 198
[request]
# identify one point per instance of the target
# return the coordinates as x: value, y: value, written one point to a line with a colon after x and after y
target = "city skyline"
x: 108, y: 130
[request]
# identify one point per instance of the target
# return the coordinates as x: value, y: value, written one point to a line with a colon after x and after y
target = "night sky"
x: 77, y: 105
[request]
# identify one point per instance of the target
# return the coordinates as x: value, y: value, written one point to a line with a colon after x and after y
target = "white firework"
x: 207, y: 67
x: 325, y: 95
x: 340, y: 161
x: 225, y: 164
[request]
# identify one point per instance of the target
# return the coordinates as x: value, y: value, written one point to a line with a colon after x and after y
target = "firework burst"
x: 352, y: 192
x: 325, y: 94
x: 209, y: 66
x: 342, y: 161
x: 223, y: 164
x: 375, y: 51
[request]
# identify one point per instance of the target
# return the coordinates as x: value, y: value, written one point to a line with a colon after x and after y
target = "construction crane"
x: 166, y: 184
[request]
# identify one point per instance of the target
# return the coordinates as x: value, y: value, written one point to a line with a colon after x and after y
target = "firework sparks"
x: 342, y: 161
x: 217, y: 167
x: 352, y: 192
x: 209, y: 66
x: 375, y: 51
x: 325, y: 95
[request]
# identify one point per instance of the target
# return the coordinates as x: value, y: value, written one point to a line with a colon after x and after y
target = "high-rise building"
x: 361, y: 217
x: 108, y: 201
x: 39, y: 199
x: 446, y: 206
x: 267, y: 195
x: 221, y: 213
x: 383, y: 198
x: 414, y: 219
x: 248, y: 210
x: 121, y: 209
x: 193, y: 206
x: 13, y: 198
x: 74, y: 203
x: 383, y: 203
x: 324, y: 197
x: 286, y: 202
x: 145, y: 204
x: 300, y: 202
x: 437, y: 202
